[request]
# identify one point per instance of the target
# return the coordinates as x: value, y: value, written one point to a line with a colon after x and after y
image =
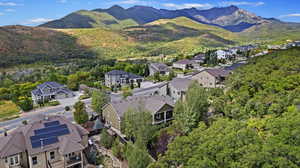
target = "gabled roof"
x: 160, y: 67
x: 68, y: 146
x: 181, y: 84
x: 12, y: 144
x: 200, y: 57
x: 19, y: 140
x: 149, y: 103
x: 184, y: 61
x: 218, y: 72
x: 50, y: 84
x: 119, y: 72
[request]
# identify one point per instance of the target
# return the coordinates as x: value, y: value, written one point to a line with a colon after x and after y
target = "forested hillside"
x: 255, y: 122
x: 25, y: 45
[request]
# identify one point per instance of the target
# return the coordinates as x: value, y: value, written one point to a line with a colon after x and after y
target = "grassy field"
x: 8, y: 110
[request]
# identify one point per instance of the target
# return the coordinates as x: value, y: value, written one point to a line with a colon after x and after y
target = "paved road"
x: 57, y: 110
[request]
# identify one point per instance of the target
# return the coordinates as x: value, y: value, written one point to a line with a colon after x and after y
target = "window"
x: 34, y: 160
x: 16, y: 159
x: 52, y: 155
x: 12, y: 162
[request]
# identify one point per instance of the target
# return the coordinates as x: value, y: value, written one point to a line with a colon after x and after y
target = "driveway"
x: 56, y: 110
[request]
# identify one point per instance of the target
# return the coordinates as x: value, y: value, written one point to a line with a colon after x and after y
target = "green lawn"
x: 8, y: 110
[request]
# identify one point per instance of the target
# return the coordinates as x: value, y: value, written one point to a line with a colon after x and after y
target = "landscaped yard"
x: 8, y: 110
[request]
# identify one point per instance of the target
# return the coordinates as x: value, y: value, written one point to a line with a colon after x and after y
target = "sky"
x: 35, y: 12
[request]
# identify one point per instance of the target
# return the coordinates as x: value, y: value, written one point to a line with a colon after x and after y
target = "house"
x: 184, y: 64
x: 121, y: 78
x: 49, y: 91
x: 160, y: 107
x: 160, y: 68
x: 178, y: 88
x: 200, y: 58
x: 223, y: 54
x: 156, y: 89
x: 46, y: 142
x: 211, y: 78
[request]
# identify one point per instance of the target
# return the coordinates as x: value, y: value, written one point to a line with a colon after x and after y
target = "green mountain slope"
x: 273, y: 31
x: 90, y: 19
x: 24, y: 45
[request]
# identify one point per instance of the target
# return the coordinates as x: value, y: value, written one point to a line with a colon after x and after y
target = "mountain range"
x: 139, y: 32
x: 230, y: 18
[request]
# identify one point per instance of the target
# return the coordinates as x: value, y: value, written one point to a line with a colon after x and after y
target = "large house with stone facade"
x: 212, y: 78
x: 160, y: 68
x: 49, y: 91
x: 121, y: 78
x: 178, y: 88
x: 46, y: 142
x: 161, y: 108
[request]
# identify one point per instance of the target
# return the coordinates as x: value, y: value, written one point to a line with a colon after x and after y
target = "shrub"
x: 106, y: 140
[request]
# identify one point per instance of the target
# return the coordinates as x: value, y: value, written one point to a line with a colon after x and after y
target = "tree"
x: 257, y: 142
x: 137, y: 125
x: 80, y: 114
x: 188, y: 113
x: 171, y: 75
x: 99, y: 99
x: 156, y: 77
x: 106, y: 140
x: 137, y: 157
x: 25, y: 103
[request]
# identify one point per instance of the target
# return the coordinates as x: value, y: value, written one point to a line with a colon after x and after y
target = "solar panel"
x: 50, y: 141
x: 50, y: 124
x: 47, y: 141
x: 50, y: 129
x: 50, y: 134
x: 36, y: 144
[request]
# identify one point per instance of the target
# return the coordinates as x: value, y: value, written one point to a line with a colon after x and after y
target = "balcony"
x: 73, y: 160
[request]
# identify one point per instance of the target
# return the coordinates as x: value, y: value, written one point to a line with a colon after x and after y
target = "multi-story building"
x: 50, y: 90
x: 117, y: 77
x: 211, y: 78
x: 160, y: 68
x: 47, y: 142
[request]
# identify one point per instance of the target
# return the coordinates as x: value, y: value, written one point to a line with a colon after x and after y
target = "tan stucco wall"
x: 111, y: 117
x: 205, y: 79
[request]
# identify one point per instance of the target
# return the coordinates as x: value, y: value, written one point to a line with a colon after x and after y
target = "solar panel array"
x: 48, y: 135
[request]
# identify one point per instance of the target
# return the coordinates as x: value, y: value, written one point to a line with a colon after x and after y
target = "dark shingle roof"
x: 119, y: 72
x: 51, y: 84
x: 160, y: 66
x: 36, y: 92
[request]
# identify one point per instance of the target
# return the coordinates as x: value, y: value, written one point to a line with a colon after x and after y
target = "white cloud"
x: 9, y: 10
x: 290, y: 15
x: 188, y: 5
x: 130, y: 2
x: 62, y: 1
x: 241, y: 3
x: 37, y: 21
x: 1, y: 14
x: 8, y: 4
